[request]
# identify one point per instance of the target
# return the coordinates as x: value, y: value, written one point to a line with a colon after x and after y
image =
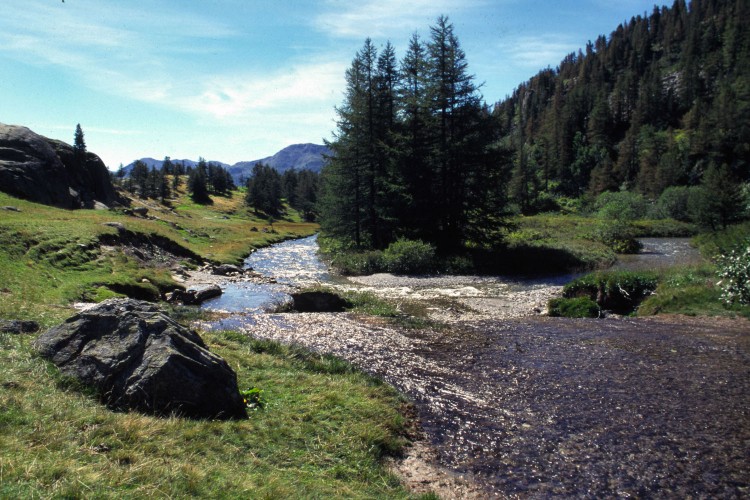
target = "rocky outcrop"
x: 44, y: 170
x: 138, y: 358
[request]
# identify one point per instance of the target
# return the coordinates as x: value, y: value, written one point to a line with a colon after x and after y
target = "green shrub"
x: 621, y: 205
x: 734, y: 271
x: 409, y: 257
x: 359, y: 263
x: 620, y: 291
x: 673, y: 204
x: 618, y: 235
x: 579, y: 307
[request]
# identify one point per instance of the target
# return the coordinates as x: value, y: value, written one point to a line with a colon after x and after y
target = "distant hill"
x: 649, y: 107
x: 296, y: 156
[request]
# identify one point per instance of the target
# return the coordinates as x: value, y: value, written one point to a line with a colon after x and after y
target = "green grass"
x: 326, y: 441
x: 51, y: 257
x: 720, y: 242
x: 692, y: 291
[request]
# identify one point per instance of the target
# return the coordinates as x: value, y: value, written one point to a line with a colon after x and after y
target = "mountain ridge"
x: 303, y: 156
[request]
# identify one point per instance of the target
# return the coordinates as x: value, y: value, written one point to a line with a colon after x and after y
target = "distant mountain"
x: 296, y: 156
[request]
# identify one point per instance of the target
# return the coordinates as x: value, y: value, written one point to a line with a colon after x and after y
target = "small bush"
x: 618, y: 235
x: 620, y: 292
x: 580, y: 307
x: 734, y: 271
x: 409, y: 257
x: 359, y: 263
x: 673, y: 204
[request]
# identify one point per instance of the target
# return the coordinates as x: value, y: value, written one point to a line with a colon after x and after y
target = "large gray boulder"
x: 44, y: 170
x: 136, y: 357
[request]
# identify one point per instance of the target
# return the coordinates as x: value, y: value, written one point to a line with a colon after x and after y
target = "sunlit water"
x: 658, y: 253
x: 295, y: 263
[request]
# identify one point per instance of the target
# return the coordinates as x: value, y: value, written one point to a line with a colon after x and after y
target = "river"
x: 513, y: 403
x: 295, y: 264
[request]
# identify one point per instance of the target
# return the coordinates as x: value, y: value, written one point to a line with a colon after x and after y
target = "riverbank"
x: 546, y: 406
x: 515, y: 403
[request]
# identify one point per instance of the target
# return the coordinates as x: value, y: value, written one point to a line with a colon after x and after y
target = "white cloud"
x: 295, y: 88
x: 537, y: 51
x: 382, y: 18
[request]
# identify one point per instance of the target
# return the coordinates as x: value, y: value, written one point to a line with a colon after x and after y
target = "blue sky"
x: 234, y: 80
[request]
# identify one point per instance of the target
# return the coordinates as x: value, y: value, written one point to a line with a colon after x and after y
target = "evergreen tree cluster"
x: 207, y: 179
x: 412, y: 153
x: 660, y: 103
x: 203, y: 180
x: 147, y: 183
x: 267, y: 189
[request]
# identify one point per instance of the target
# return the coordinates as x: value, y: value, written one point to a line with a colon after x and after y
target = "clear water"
x: 292, y: 263
x: 295, y: 263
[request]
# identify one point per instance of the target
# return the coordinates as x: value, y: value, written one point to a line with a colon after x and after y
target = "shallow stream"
x: 295, y: 264
x: 531, y: 406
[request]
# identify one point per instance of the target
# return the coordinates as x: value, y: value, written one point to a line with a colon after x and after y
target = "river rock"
x: 138, y: 358
x: 226, y: 269
x: 318, y: 302
x: 195, y: 297
x: 18, y: 326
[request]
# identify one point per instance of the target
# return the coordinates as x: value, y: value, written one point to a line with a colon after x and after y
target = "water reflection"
x: 293, y: 263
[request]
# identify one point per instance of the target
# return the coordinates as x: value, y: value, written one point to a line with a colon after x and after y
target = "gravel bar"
x: 539, y: 407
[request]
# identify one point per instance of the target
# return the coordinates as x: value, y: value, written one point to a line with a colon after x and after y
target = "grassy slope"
x: 322, y: 434
x: 50, y: 257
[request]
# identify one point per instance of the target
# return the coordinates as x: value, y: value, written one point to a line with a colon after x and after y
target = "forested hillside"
x: 659, y: 109
x: 658, y: 103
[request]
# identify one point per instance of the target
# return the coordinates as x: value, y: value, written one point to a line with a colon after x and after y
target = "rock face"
x: 45, y: 171
x: 136, y: 357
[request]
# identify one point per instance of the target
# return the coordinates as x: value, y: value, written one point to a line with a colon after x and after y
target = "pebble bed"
x: 539, y: 407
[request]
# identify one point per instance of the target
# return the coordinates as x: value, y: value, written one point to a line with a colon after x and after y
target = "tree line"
x: 202, y: 180
x: 660, y: 109
x: 664, y: 102
x: 268, y: 192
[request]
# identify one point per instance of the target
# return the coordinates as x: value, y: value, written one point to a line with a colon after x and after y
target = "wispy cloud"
x: 241, y: 96
x: 383, y: 18
x: 536, y: 51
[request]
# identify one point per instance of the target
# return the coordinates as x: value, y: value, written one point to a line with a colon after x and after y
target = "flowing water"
x: 286, y: 265
x: 295, y: 263
x: 534, y: 406
x: 658, y: 253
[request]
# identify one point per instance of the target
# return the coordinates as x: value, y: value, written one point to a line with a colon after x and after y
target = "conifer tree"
x: 79, y: 147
